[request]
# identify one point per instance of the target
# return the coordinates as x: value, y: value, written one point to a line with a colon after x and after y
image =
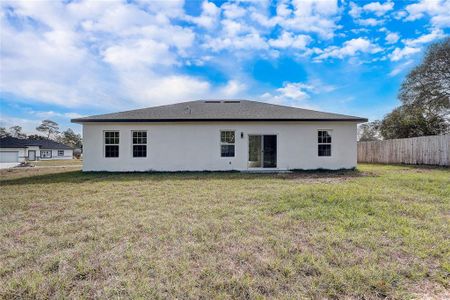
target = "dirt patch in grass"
x: 428, y: 290
x: 373, y: 233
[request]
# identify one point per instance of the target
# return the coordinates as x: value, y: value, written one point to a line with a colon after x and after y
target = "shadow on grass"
x: 79, y: 177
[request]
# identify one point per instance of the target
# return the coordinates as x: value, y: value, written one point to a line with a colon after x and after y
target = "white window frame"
x: 133, y: 144
x: 330, y: 133
x: 43, y: 151
x: 105, y: 144
x: 227, y: 143
x: 59, y: 151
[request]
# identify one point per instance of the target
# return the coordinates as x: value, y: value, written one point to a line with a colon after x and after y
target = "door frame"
x: 34, y: 151
x: 262, y: 154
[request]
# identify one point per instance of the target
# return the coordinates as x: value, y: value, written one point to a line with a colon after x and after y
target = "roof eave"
x: 11, y: 147
x: 86, y: 120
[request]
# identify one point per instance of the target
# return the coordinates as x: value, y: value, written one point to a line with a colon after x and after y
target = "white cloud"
x: 369, y: 22
x: 250, y: 42
x: 129, y: 23
x: 442, y: 20
x: 399, y: 14
x: 172, y: 8
x: 392, y: 38
x: 438, y: 10
x: 321, y: 87
x: 54, y: 115
x: 28, y: 125
x: 413, y: 46
x: 283, y: 10
x: 360, y: 30
x: 313, y: 16
x: 288, y: 40
x: 355, y: 10
x: 294, y: 93
x: 235, y: 35
x: 148, y: 89
x: 418, y: 10
x: 232, y: 28
x: 116, y: 19
x: 295, y: 90
x: 233, y: 11
x: 373, y: 8
x: 72, y: 115
x: 209, y: 16
x: 350, y: 48
x: 400, y: 68
x: 319, y: 17
x: 377, y: 8
x: 426, y: 38
x: 232, y: 88
x: 400, y: 53
x: 138, y: 54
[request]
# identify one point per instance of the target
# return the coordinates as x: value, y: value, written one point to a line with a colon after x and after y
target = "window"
x: 227, y: 143
x: 46, y: 153
x: 324, y: 141
x: 139, y: 143
x: 60, y: 152
x: 111, y: 144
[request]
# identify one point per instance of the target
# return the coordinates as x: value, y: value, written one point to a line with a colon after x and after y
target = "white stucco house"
x: 219, y: 135
x: 14, y: 150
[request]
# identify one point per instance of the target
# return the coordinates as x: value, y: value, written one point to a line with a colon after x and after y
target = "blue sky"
x: 66, y: 59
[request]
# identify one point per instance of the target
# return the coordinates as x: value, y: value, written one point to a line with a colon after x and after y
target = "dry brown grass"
x: 378, y: 232
x: 56, y: 162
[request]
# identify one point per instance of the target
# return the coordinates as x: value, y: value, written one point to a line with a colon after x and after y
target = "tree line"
x: 50, y: 131
x: 425, y: 101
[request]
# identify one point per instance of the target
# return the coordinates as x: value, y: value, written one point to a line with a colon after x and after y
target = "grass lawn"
x: 62, y: 162
x: 381, y: 231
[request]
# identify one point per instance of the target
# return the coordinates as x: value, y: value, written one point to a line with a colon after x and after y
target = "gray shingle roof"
x: 219, y: 110
x: 12, y: 142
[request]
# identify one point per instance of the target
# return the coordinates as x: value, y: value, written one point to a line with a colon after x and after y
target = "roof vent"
x: 232, y: 101
x: 212, y: 101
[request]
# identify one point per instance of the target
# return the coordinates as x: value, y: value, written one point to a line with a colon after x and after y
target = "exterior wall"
x: 68, y: 154
x: 196, y: 146
x: 20, y: 150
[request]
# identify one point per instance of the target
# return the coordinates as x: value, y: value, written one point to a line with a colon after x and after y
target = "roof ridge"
x: 307, y: 109
x: 137, y: 109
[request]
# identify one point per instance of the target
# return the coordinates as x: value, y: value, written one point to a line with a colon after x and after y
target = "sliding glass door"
x: 262, y: 151
x: 270, y: 151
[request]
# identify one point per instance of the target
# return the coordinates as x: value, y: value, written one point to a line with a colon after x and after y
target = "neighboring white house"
x: 14, y: 150
x: 219, y: 135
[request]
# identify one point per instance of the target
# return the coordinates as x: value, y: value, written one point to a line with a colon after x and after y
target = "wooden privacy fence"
x: 424, y: 150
